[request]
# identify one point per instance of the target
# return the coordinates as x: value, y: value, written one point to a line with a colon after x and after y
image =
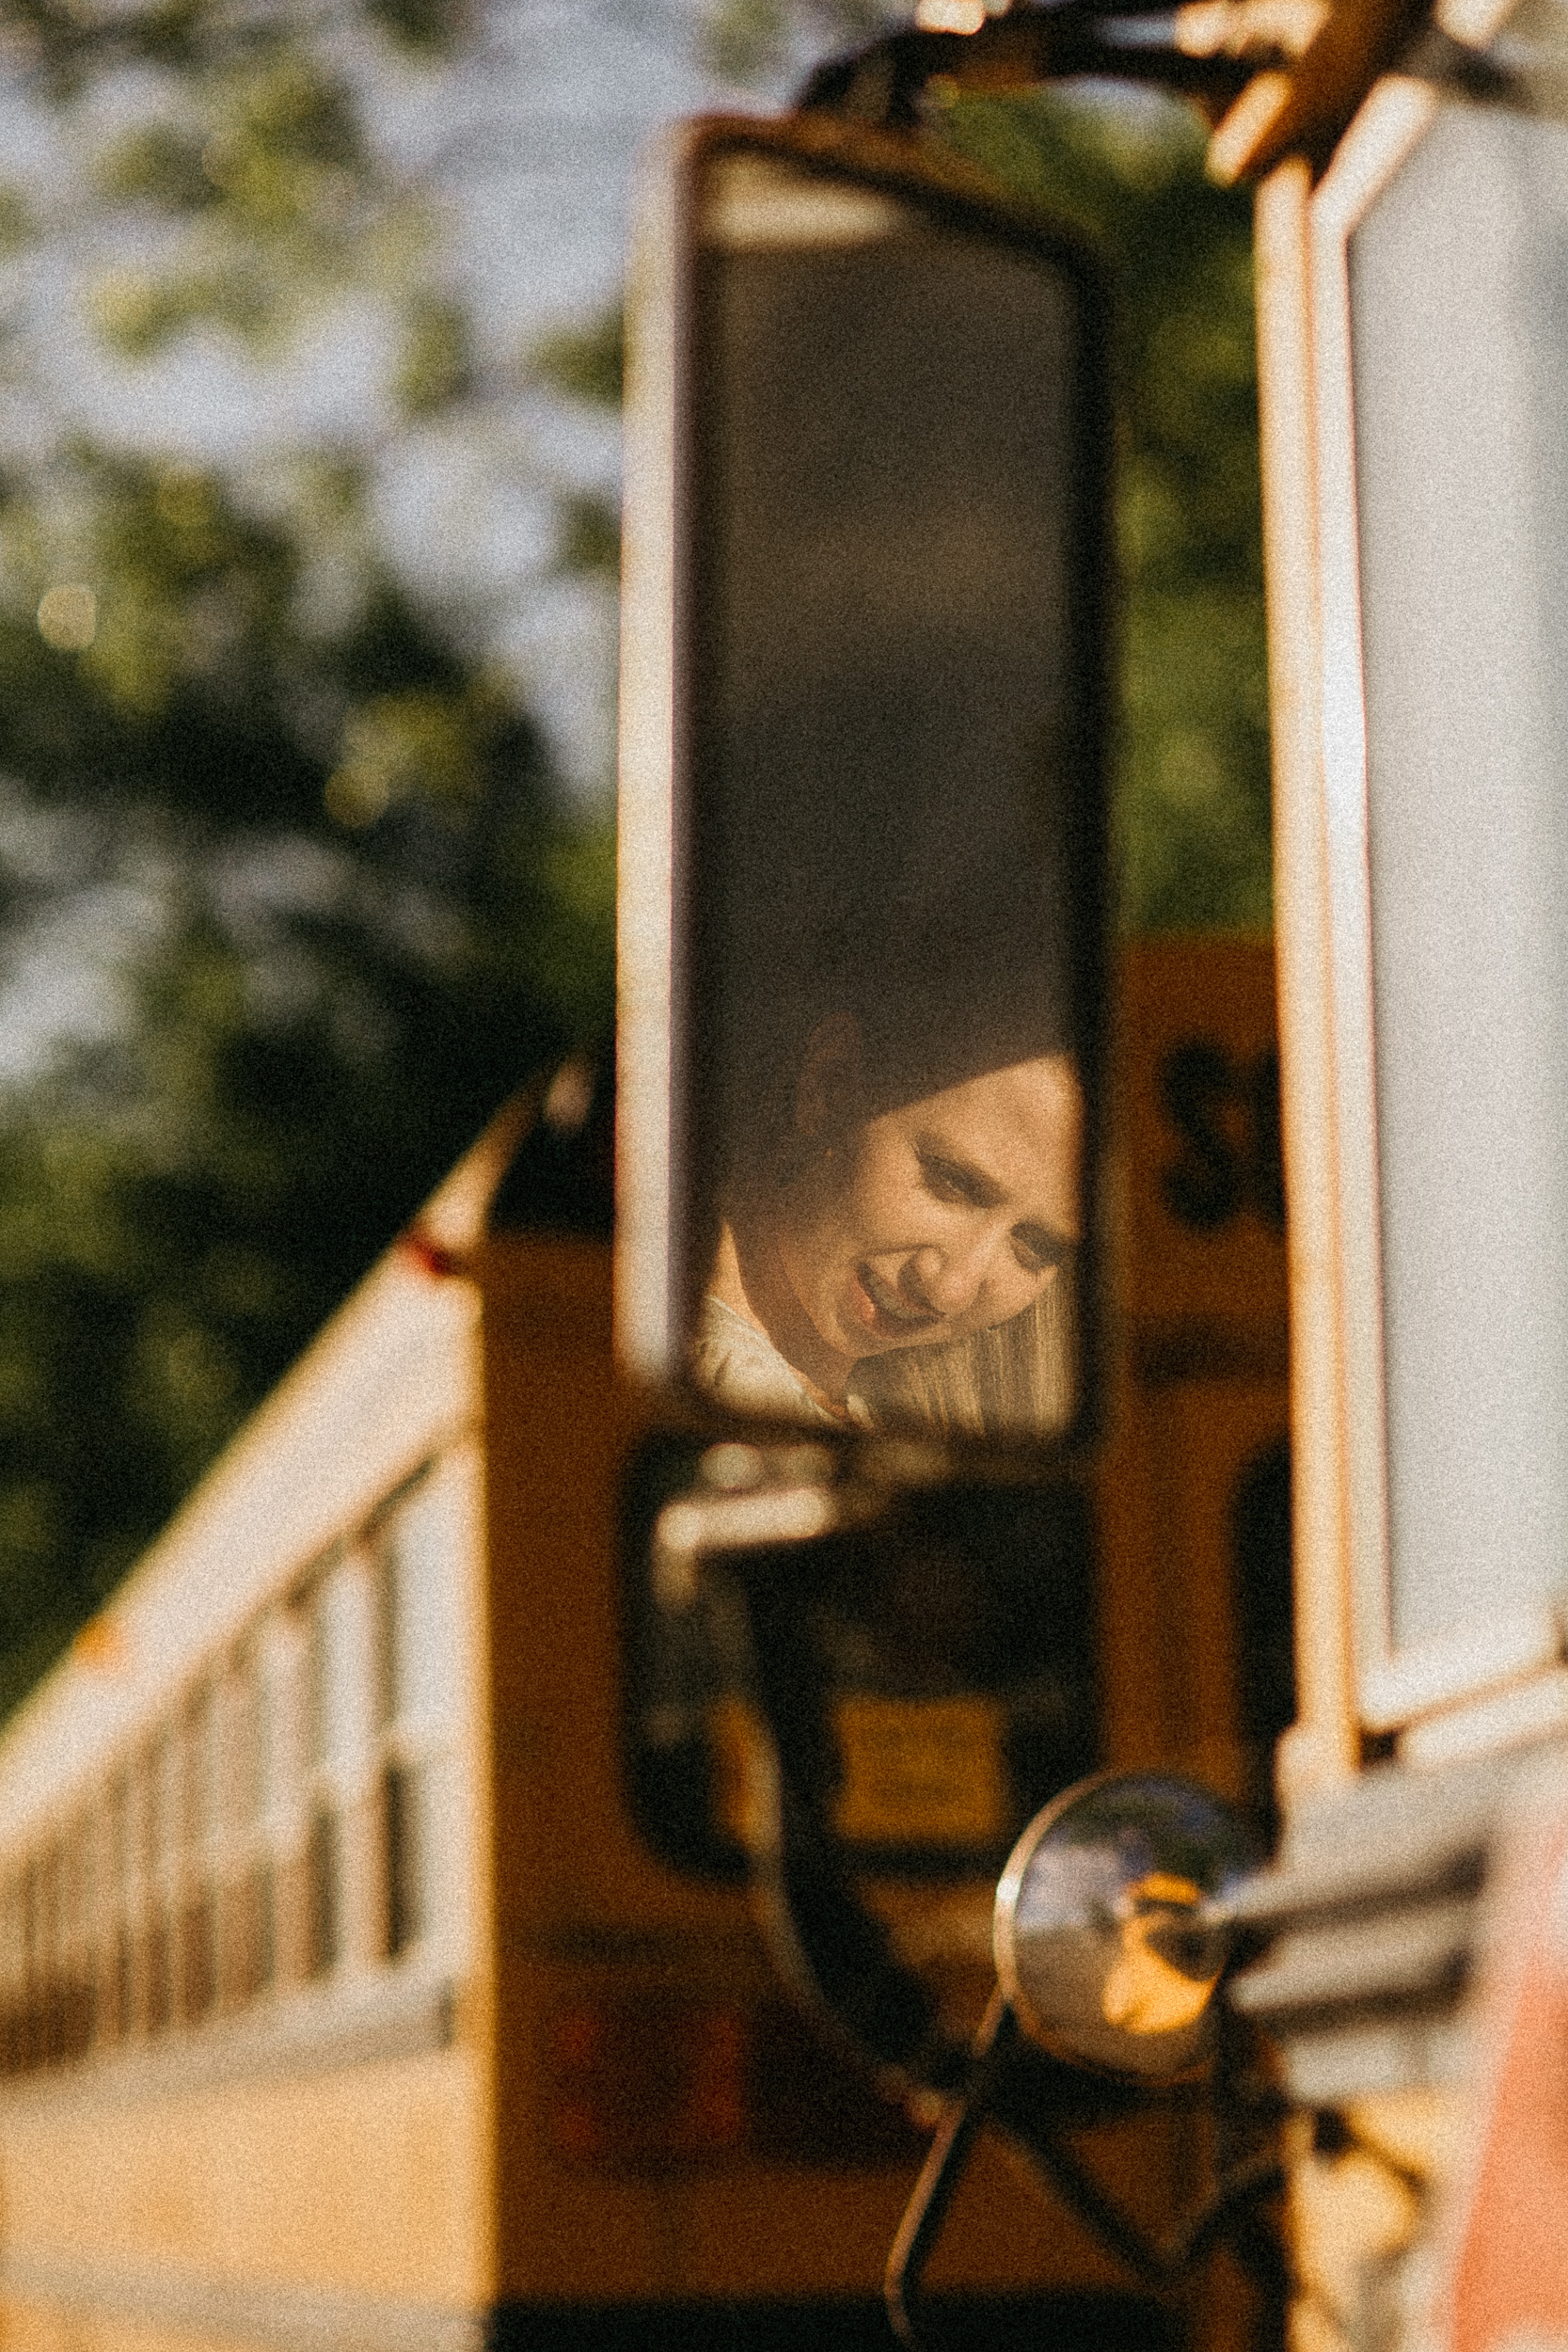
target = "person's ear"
x: 829, y: 1085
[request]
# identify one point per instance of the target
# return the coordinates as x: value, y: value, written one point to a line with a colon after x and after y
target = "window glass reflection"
x: 892, y: 741
x: 899, y: 1228
x: 1459, y: 313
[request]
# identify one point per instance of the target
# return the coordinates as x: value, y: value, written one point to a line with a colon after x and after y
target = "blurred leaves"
x: 186, y: 588
x: 395, y: 746
x: 284, y: 872
x: 16, y: 223
x: 260, y: 173
x: 69, y: 46
x: 435, y: 365
x: 423, y: 27
x: 304, y: 1019
x: 746, y: 39
x: 589, y: 537
x: 588, y: 363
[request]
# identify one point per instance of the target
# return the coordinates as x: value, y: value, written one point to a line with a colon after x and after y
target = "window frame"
x: 215, y: 1791
x: 1394, y: 1686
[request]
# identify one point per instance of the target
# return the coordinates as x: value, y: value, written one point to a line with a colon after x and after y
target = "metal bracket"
x: 1207, y: 52
x: 1248, y: 2177
x: 1271, y: 77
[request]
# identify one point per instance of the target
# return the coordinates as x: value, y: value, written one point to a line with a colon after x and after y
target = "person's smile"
x: 887, y: 1311
x: 914, y: 1226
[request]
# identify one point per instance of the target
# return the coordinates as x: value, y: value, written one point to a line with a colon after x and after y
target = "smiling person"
x: 899, y: 1250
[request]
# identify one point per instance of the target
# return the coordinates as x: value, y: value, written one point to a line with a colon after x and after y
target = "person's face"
x: 935, y: 1219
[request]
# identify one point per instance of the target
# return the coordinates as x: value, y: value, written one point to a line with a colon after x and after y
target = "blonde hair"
x: 1015, y: 1380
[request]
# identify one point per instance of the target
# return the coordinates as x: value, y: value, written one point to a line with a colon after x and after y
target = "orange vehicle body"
x: 504, y: 2073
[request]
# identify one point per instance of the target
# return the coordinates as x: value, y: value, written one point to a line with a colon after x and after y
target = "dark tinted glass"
x: 889, y: 502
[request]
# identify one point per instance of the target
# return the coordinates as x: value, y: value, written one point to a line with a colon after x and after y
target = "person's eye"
x: 1038, y: 1251
x: 945, y: 1182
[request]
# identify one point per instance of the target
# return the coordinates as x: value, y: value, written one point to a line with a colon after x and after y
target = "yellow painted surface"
x: 365, y: 2181
x: 1200, y: 1378
x: 1199, y: 1438
x: 1002, y: 2232
x: 571, y: 1878
x: 1227, y: 1267
x: 39, y: 2328
x: 569, y: 1871
x: 443, y: 2179
x: 1345, y: 2213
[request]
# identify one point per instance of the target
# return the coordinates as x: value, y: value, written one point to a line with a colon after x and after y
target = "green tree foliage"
x: 587, y: 362
x: 340, y: 918
x: 281, y: 830
x: 746, y: 39
x: 220, y: 163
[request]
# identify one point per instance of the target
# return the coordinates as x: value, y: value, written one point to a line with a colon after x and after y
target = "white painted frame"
x: 1394, y: 1686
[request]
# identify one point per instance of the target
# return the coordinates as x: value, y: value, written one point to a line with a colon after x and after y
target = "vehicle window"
x: 418, y: 1551
x: 1459, y: 319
